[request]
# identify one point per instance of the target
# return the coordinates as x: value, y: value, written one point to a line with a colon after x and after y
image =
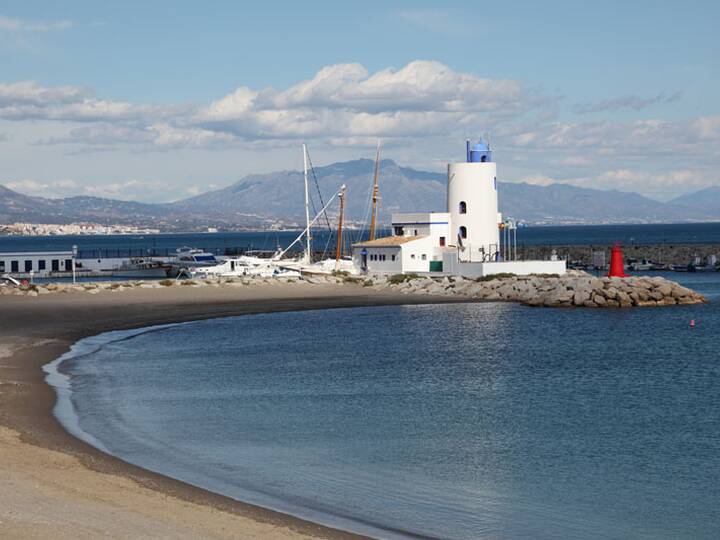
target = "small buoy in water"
x: 692, y: 323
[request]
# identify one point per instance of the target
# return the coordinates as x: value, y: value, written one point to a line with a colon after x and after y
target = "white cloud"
x: 539, y: 180
x: 133, y: 189
x: 66, y: 184
x: 168, y: 136
x: 662, y: 185
x: 28, y: 100
x: 635, y: 103
x: 423, y: 98
x: 10, y: 24
x: 422, y: 111
x: 26, y: 186
x: 42, y: 188
x: 649, y: 136
x: 31, y: 93
x: 576, y: 161
x: 157, y: 136
x: 661, y: 182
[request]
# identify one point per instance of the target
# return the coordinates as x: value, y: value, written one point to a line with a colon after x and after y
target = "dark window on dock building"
x: 28, y: 266
x: 14, y: 266
x: 68, y: 264
x: 55, y: 265
x: 399, y: 231
x: 41, y: 264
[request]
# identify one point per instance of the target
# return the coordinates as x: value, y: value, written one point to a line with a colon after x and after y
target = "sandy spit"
x: 55, y: 486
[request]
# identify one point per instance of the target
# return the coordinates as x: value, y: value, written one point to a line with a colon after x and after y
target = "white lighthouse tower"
x: 472, y: 203
x: 464, y: 241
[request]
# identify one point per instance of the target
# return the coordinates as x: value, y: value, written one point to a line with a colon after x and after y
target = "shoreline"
x: 35, y: 333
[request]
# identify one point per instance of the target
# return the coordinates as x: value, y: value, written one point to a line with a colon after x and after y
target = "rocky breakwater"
x: 97, y: 287
x: 575, y: 289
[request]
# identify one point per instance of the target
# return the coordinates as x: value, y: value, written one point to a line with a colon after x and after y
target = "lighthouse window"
x: 463, y: 207
x: 463, y: 232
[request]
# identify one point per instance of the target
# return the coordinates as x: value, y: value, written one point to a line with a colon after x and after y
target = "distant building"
x: 39, y: 264
x: 469, y: 239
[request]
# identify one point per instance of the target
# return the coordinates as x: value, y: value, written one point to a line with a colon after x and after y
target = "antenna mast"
x: 308, y: 252
x: 338, y: 251
x: 375, y: 193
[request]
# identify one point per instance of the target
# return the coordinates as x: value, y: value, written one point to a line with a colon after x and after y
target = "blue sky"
x: 158, y: 100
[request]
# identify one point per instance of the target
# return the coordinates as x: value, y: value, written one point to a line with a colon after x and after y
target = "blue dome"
x: 481, y: 146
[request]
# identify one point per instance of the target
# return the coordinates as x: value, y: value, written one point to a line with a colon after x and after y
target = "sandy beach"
x: 55, y: 485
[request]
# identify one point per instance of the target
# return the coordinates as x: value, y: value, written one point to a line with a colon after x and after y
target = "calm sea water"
x: 698, y: 233
x: 454, y: 421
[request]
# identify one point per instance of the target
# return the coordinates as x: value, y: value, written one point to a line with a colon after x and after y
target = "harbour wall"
x: 668, y: 254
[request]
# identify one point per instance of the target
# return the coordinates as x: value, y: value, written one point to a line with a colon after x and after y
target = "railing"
x: 483, y: 253
x: 135, y: 253
x: 132, y: 253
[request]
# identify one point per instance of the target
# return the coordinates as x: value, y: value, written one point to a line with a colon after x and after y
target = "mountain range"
x: 260, y: 201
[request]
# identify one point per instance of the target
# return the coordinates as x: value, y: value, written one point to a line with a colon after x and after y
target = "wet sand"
x: 55, y: 485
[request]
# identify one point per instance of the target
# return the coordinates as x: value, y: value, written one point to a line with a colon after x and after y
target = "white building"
x: 417, y: 245
x: 464, y: 241
x: 40, y: 264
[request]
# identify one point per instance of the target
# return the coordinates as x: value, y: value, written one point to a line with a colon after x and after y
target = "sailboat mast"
x: 338, y: 251
x: 373, y: 219
x: 308, y: 252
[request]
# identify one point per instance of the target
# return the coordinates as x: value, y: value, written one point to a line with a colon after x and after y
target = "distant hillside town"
x: 51, y: 229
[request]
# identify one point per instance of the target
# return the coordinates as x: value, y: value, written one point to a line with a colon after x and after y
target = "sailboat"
x: 305, y: 263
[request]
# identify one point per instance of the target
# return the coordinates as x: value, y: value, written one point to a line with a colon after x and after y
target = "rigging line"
x: 357, y: 235
x: 317, y: 186
x: 366, y: 215
x: 327, y: 244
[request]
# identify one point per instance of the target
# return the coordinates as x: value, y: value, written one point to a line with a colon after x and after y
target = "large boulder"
x: 665, y: 289
x: 580, y: 297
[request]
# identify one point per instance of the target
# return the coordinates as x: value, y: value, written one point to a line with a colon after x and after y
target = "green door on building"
x: 436, y: 266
